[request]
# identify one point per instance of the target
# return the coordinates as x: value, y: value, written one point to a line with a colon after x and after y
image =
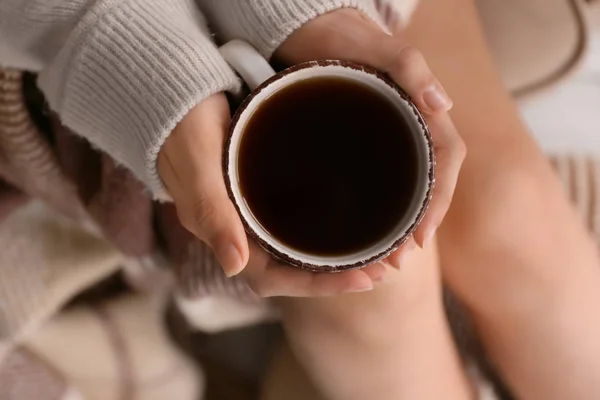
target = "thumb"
x: 190, y: 165
x: 214, y: 220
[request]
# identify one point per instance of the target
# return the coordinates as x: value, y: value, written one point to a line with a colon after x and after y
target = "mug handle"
x: 248, y: 62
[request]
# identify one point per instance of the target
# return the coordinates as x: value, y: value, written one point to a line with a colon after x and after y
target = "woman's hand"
x: 348, y: 35
x: 190, y: 160
x: 190, y: 166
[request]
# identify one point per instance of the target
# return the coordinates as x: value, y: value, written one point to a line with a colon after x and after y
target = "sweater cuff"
x: 266, y: 24
x: 129, y: 73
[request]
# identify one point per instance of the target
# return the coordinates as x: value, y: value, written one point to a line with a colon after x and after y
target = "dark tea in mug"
x: 328, y: 166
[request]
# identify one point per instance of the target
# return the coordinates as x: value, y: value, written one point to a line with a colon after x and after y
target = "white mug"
x: 263, y: 81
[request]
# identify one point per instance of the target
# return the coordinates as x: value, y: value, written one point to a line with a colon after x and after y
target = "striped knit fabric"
x: 24, y: 376
x: 125, y: 354
x: 581, y: 179
x: 26, y: 160
x: 41, y: 159
x: 396, y: 13
x: 390, y: 13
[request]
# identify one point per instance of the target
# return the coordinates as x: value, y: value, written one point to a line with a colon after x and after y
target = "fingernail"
x: 436, y: 98
x: 231, y: 260
x: 361, y: 289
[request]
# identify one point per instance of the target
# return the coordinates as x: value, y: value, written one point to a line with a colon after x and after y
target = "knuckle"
x: 439, y: 208
x: 460, y: 148
x: 260, y: 290
x: 255, y: 282
x: 184, y: 219
x: 203, y: 213
x: 452, y: 151
x: 444, y: 203
x: 406, y: 57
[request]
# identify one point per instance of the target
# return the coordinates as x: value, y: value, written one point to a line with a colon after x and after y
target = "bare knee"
x: 512, y: 230
x: 509, y: 199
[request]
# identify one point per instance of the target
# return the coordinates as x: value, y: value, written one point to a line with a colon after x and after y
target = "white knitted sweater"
x: 122, y: 73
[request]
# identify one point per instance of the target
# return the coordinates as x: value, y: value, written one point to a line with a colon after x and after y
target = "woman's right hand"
x: 190, y: 165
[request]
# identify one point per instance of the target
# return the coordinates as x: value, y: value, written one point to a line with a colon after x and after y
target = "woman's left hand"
x: 347, y: 34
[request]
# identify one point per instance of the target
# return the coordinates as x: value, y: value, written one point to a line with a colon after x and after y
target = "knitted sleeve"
x: 121, y: 73
x: 267, y: 23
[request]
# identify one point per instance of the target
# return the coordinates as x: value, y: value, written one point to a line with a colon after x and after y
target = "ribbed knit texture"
x: 45, y: 260
x: 26, y: 159
x: 116, y: 349
x: 267, y: 23
x: 44, y: 381
x: 124, y: 73
x: 65, y: 256
x: 581, y: 179
x: 120, y: 73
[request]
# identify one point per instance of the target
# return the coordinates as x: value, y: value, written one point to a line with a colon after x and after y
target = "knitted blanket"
x: 41, y: 159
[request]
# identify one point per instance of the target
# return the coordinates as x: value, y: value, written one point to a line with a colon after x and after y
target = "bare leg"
x: 391, y: 343
x: 512, y: 247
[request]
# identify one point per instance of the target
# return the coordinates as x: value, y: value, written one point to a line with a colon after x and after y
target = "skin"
x: 389, y: 343
x: 190, y: 161
x: 512, y: 247
x: 394, y: 341
x: 329, y: 329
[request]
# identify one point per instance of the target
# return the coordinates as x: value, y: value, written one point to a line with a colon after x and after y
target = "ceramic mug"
x: 263, y: 81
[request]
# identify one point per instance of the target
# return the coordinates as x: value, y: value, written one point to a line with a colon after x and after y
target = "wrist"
x: 345, y: 33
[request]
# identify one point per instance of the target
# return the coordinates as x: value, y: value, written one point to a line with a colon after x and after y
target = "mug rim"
x: 324, y: 267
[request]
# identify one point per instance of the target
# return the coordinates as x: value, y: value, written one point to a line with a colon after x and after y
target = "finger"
x: 450, y: 153
x: 407, y: 66
x: 270, y: 278
x: 192, y: 171
x: 366, y: 44
x: 376, y: 272
x: 282, y: 280
x: 398, y: 258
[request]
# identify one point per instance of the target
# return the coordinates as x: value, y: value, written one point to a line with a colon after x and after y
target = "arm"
x: 512, y: 246
x: 120, y: 73
x: 393, y: 341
